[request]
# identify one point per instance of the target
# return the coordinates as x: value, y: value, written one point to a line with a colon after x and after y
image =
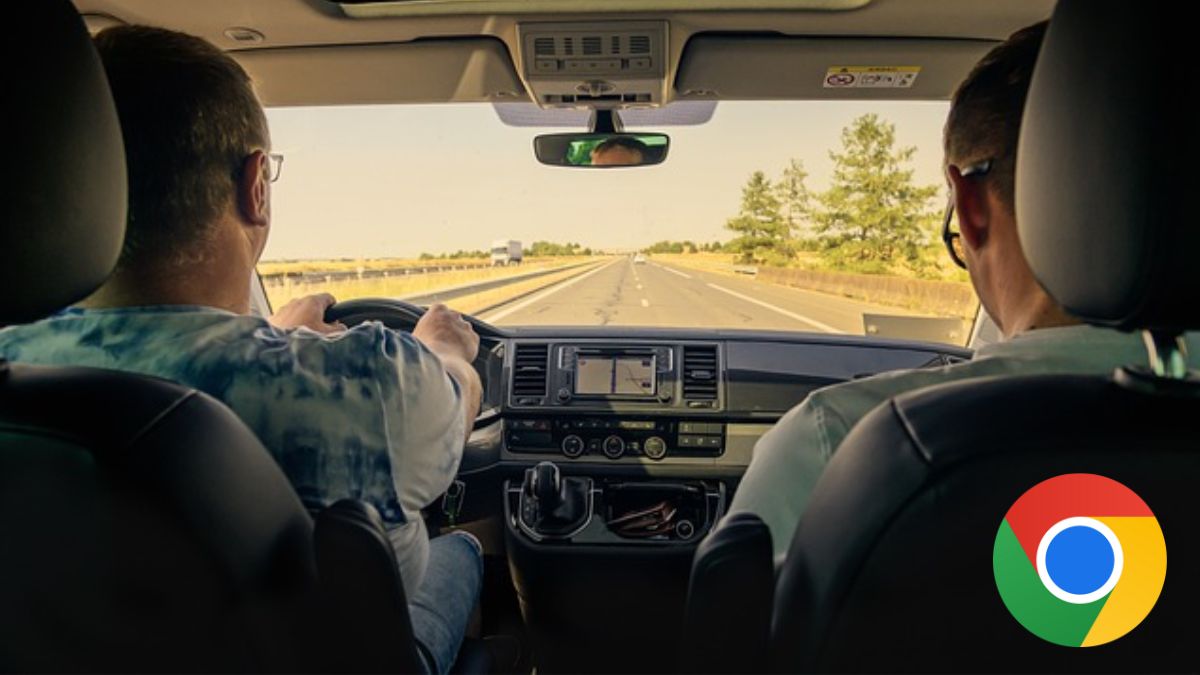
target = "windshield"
x: 798, y: 216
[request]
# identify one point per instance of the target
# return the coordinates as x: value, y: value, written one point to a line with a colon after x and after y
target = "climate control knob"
x: 614, y: 447
x: 572, y: 446
x: 655, y: 447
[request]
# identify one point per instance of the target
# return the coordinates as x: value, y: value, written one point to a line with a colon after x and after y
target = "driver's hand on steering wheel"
x: 309, y: 312
x: 446, y: 333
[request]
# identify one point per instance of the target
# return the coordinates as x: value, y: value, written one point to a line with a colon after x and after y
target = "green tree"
x: 794, y: 198
x: 763, y: 234
x: 873, y: 215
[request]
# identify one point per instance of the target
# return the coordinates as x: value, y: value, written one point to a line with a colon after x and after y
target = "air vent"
x: 700, y: 373
x: 529, y: 371
x: 592, y: 45
x: 615, y: 47
x: 568, y: 46
x: 543, y: 46
x: 639, y: 44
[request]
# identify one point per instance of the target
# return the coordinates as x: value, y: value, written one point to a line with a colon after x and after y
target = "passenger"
x: 368, y: 412
x: 980, y: 157
x: 620, y: 151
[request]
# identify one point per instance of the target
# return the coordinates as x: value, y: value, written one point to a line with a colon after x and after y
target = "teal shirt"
x: 367, y: 414
x: 789, y: 458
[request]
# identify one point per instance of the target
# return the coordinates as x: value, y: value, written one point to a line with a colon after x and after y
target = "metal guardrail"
x: 387, y: 273
x: 446, y: 294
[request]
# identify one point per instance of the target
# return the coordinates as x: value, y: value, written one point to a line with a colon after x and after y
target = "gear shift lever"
x: 553, y: 506
x: 546, y: 485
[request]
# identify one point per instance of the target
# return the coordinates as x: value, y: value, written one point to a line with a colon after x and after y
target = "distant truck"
x: 506, y: 252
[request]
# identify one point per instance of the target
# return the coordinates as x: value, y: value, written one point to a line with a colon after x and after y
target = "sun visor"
x: 374, y: 9
x: 730, y: 67
x: 682, y: 113
x: 427, y: 71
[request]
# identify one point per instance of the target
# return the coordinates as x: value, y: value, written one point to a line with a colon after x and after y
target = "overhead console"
x: 596, y: 65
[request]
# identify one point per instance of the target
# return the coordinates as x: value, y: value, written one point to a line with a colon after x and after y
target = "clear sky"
x: 382, y: 181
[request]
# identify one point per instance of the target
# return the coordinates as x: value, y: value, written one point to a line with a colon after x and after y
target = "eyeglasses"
x: 275, y: 166
x: 953, y: 238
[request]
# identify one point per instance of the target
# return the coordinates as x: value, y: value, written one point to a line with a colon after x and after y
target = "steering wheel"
x: 396, y: 314
x: 401, y: 315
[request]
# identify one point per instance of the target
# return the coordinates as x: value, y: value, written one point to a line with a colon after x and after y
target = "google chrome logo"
x: 1079, y: 560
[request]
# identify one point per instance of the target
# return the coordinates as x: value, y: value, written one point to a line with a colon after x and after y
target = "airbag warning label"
x: 871, y: 77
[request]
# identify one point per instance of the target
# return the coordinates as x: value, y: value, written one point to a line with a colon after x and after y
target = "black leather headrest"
x: 1107, y: 167
x: 65, y: 195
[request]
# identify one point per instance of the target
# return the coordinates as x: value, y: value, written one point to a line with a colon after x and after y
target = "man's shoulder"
x: 852, y: 400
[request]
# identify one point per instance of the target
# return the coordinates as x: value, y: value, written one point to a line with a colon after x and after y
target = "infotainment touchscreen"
x: 615, y: 375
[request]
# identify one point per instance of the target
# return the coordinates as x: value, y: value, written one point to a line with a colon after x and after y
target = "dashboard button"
x: 614, y: 447
x: 530, y: 439
x: 594, y: 445
x: 572, y: 446
x: 710, y: 441
x: 655, y: 448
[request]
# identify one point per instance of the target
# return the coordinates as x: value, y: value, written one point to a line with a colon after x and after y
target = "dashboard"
x: 660, y: 401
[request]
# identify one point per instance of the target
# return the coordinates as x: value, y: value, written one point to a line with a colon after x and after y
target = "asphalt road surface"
x: 622, y: 293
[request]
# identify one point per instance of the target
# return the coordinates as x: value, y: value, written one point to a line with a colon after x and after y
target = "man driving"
x: 980, y: 139
x: 367, y: 412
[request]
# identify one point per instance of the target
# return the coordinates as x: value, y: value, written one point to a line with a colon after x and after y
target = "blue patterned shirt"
x: 368, y: 414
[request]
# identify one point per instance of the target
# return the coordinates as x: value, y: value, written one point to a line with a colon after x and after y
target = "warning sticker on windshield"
x: 871, y: 77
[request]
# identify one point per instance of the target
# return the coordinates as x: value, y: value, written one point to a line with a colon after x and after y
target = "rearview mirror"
x: 601, y: 151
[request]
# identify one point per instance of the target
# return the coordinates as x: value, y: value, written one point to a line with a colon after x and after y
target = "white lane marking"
x: 685, y: 276
x: 639, y: 287
x: 645, y: 302
x: 491, y: 318
x: 799, y: 317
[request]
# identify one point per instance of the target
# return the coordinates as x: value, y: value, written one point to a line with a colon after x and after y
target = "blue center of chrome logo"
x: 1079, y: 560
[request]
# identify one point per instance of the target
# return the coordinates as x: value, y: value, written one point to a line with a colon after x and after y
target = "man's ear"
x: 253, y: 191
x: 971, y: 206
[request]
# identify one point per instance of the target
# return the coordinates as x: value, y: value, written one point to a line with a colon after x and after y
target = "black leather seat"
x: 730, y: 596
x: 143, y: 527
x: 891, y: 566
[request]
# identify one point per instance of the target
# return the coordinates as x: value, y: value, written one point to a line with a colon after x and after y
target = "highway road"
x: 622, y: 293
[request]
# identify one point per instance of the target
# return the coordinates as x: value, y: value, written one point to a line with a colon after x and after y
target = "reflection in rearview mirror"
x: 601, y: 150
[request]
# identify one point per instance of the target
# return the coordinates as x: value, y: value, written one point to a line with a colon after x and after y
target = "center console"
x: 612, y: 437
x: 548, y: 508
x: 601, y: 564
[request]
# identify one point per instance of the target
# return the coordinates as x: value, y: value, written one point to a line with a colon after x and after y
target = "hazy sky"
x: 378, y: 181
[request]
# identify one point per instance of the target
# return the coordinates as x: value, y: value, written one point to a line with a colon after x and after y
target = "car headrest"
x: 1106, y: 161
x: 65, y: 193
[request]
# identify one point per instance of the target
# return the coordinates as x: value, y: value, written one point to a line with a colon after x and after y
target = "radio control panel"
x: 599, y: 438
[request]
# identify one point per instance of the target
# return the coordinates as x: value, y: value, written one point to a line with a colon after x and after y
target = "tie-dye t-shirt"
x: 368, y: 414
